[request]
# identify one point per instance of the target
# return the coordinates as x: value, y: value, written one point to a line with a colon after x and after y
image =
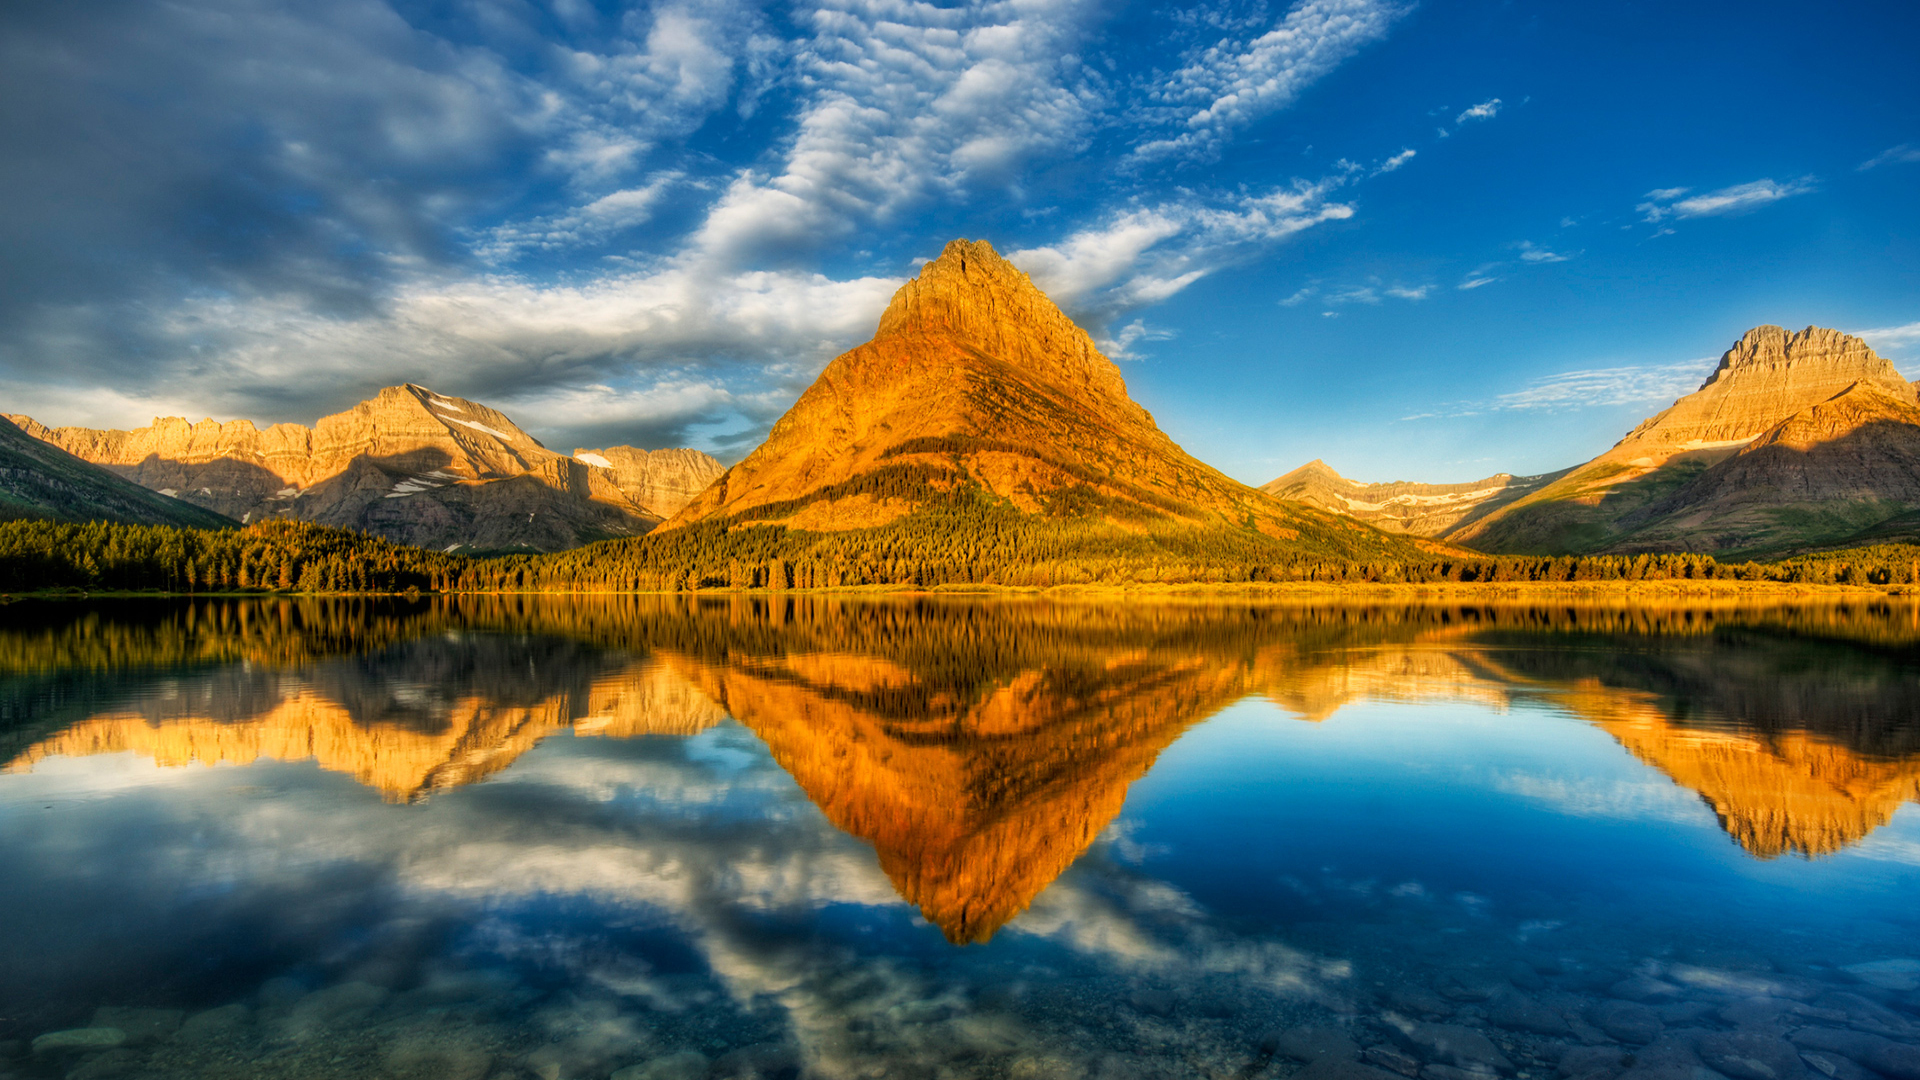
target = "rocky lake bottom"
x: 654, y: 840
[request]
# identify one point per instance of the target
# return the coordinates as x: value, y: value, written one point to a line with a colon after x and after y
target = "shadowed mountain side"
x: 40, y: 480
x: 976, y: 392
x: 1822, y: 476
x: 410, y: 465
x: 973, y: 806
x: 1670, y: 483
x: 658, y: 481
x: 1403, y: 505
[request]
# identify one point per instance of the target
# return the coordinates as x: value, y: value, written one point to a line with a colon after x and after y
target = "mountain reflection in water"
x: 980, y: 746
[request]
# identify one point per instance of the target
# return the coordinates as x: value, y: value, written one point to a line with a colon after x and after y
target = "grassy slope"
x: 40, y: 480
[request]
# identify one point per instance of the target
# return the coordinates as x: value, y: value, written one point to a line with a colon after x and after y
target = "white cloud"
x: 1120, y: 345
x: 1905, y: 153
x: 1404, y: 292
x: 1608, y: 386
x: 1665, y: 203
x: 1891, y: 338
x: 1143, y: 256
x: 1486, y: 110
x: 1476, y: 282
x: 1533, y: 253
x: 1395, y: 162
x: 593, y: 222
x: 910, y: 103
x: 1236, y: 82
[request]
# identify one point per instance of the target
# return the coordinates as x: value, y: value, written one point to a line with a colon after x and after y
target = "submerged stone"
x: 1451, y: 1044
x: 1751, y: 1055
x: 142, y: 1026
x: 685, y: 1065
x: 1627, y: 1021
x: 214, y: 1024
x: 79, y: 1039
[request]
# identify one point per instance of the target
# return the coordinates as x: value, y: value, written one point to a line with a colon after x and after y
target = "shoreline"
x: 1446, y: 590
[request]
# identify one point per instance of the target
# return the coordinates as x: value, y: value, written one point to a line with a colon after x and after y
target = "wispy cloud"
x: 1235, y: 81
x: 1404, y: 292
x: 1891, y: 338
x: 1905, y: 153
x: 1588, y: 388
x: 1476, y: 282
x: 1668, y: 203
x: 1486, y: 110
x: 1534, y: 253
x: 1607, y: 386
x: 1394, y: 162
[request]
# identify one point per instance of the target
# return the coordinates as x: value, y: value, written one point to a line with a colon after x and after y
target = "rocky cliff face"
x: 1401, y: 505
x: 1717, y: 470
x: 658, y: 481
x: 40, y: 480
x: 976, y: 381
x: 409, y: 464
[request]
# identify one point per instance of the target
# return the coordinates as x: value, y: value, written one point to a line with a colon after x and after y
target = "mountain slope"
x: 1402, y: 505
x: 977, y: 387
x: 410, y: 465
x: 1630, y: 498
x: 658, y: 481
x: 38, y: 479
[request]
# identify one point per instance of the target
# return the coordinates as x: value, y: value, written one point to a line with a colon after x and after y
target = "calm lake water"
x: 747, y: 837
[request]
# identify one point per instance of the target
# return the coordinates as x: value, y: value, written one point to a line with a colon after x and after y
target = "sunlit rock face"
x: 975, y: 380
x: 974, y: 799
x: 1794, y: 438
x: 409, y: 464
x: 429, y: 720
x: 1402, y: 505
x: 658, y: 481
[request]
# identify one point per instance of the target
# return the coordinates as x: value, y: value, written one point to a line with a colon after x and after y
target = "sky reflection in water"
x: 554, y: 838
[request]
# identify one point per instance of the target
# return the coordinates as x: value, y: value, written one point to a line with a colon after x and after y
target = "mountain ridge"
x: 409, y: 464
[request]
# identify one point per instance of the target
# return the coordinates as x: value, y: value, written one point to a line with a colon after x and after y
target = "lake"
x: 669, y: 838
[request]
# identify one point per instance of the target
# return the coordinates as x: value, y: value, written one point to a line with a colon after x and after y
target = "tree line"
x: 955, y: 545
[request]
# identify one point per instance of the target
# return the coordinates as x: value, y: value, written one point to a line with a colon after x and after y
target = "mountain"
x: 1794, y: 440
x: 658, y: 481
x: 978, y: 395
x: 1402, y: 506
x: 41, y: 480
x: 409, y: 464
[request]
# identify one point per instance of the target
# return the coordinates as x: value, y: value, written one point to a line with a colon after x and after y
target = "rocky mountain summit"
x: 1794, y: 439
x: 658, y: 481
x: 976, y: 382
x: 1402, y: 505
x: 39, y: 480
x: 409, y: 464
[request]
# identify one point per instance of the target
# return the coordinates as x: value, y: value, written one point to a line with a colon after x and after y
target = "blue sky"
x: 1420, y: 240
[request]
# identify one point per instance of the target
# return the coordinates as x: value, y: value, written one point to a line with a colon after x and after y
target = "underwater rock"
x: 1449, y: 1044
x: 1864, y: 1014
x: 214, y: 1024
x: 1152, y: 1002
x: 1310, y: 1044
x: 1901, y: 1061
x: 1593, y: 1063
x: 1420, y: 1002
x: 1515, y: 1011
x: 428, y: 1058
x: 685, y: 1065
x: 1628, y: 1021
x: 78, y: 1039
x: 1392, y: 1060
x: 1835, y: 1067
x: 1643, y: 988
x: 1328, y: 1069
x: 1751, y: 1055
x: 142, y: 1026
x: 1899, y: 974
x: 113, y: 1063
x: 765, y: 1061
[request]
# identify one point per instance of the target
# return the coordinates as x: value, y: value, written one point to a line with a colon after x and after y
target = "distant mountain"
x: 1402, y: 505
x: 409, y: 464
x: 41, y: 480
x: 1794, y: 440
x: 977, y: 385
x: 658, y: 481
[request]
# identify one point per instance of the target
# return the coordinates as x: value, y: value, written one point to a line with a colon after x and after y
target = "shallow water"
x: 651, y: 837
